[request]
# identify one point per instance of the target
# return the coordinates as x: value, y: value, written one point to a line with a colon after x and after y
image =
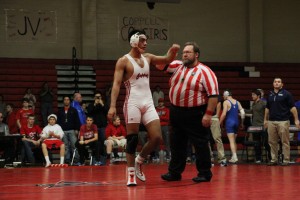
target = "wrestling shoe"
x: 138, y: 171
x: 131, y: 178
x: 233, y: 160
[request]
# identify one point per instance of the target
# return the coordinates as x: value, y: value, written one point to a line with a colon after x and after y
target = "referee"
x: 194, y: 96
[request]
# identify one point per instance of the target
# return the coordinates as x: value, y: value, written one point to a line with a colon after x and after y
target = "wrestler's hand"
x: 111, y: 113
x: 206, y: 120
x: 175, y: 48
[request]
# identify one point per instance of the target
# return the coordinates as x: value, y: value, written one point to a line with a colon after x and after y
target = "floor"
x: 241, y: 181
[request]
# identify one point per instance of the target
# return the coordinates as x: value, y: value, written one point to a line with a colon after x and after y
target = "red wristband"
x: 209, y: 112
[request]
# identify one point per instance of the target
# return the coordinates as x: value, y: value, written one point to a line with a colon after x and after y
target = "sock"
x: 62, y: 159
x: 234, y: 155
x: 108, y: 156
x: 47, y: 159
x: 139, y: 159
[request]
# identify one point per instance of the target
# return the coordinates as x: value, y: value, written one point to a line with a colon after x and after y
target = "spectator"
x: 88, y: 138
x: 280, y: 104
x: 2, y: 105
x: 258, y: 113
x: 5, y: 146
x: 77, y: 99
x: 164, y: 116
x: 52, y: 135
x: 262, y: 98
x: 4, y: 130
x: 67, y: 118
x: 115, y: 136
x: 230, y: 114
x: 157, y: 94
x: 46, y: 97
x: 297, y: 105
x: 217, y: 135
x: 98, y: 110
x: 32, y: 100
x: 84, y: 106
x: 11, y: 119
x: 23, y: 113
x: 31, y: 139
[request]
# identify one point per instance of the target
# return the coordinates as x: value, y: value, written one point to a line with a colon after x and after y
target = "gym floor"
x: 239, y: 181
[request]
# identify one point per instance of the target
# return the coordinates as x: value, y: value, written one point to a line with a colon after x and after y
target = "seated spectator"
x: 31, y: 139
x: 88, y: 138
x: 52, y: 136
x: 28, y: 95
x: 115, y: 136
x: 23, y: 113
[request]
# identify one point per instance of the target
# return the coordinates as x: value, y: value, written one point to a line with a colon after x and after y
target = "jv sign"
x: 30, y: 26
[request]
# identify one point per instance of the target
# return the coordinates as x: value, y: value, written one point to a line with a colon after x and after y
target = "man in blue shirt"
x: 77, y: 99
x: 280, y: 104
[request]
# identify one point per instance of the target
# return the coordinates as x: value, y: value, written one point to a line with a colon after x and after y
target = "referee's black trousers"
x: 186, y: 124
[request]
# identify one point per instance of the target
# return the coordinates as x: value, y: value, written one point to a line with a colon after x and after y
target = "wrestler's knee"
x: 156, y: 139
x: 132, y: 142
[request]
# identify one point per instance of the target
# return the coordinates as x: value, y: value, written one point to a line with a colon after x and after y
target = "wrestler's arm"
x: 161, y: 61
x: 118, y: 77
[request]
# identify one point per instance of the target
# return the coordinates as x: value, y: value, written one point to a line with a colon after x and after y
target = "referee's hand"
x: 206, y: 120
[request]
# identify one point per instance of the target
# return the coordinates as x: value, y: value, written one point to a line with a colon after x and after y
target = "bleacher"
x: 18, y: 74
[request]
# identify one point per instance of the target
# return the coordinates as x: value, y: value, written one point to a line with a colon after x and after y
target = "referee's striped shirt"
x: 191, y: 87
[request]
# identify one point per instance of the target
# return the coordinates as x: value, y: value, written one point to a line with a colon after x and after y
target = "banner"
x: 156, y: 28
x: 31, y: 26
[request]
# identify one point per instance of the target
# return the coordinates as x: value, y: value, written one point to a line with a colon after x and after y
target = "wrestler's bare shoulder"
x: 122, y: 61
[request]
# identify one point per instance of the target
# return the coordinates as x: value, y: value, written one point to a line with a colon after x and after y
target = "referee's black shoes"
x: 171, y: 177
x: 199, y: 179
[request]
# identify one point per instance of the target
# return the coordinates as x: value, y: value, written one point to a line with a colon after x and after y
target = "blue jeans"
x: 102, y: 149
x: 70, y: 140
x: 27, y: 152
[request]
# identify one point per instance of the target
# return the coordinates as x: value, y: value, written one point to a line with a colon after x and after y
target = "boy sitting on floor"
x: 52, y: 136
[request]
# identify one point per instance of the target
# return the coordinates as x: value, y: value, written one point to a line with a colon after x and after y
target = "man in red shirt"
x: 115, y: 135
x: 88, y: 137
x: 23, y: 113
x: 31, y: 139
